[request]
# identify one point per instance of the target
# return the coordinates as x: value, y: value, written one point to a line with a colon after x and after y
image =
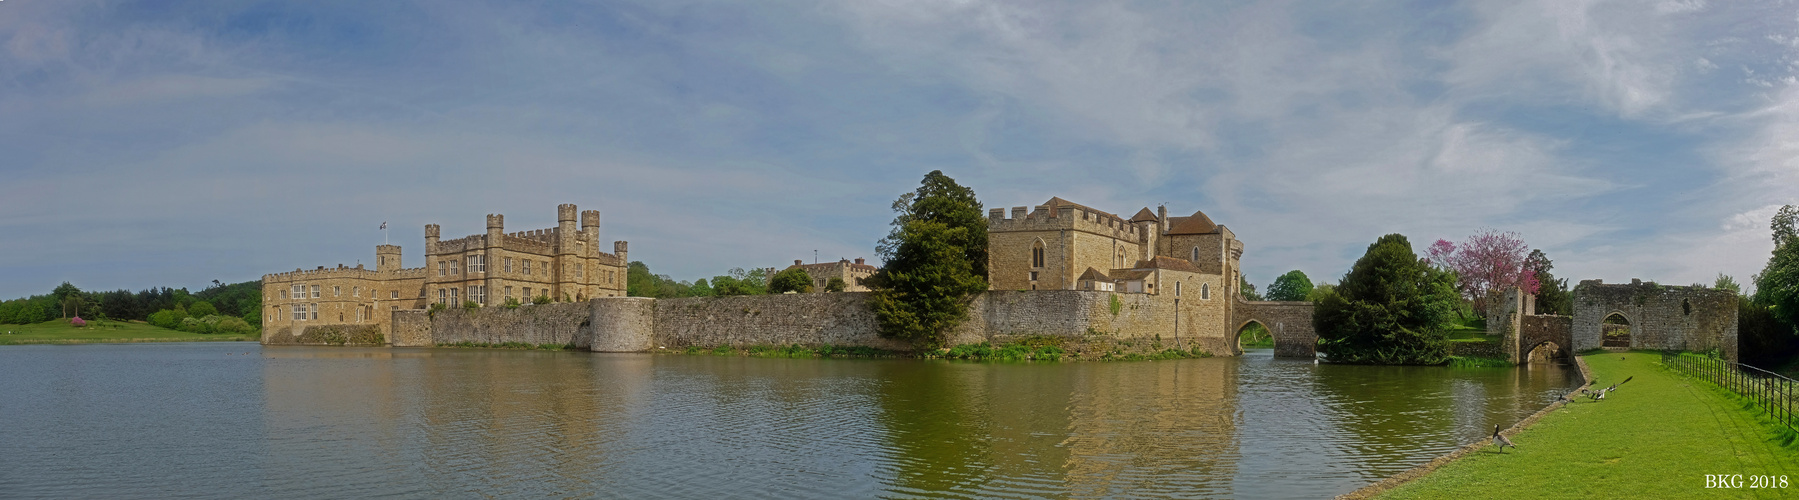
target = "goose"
x: 1501, y: 440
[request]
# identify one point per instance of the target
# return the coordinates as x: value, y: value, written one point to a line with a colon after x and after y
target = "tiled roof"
x: 1093, y: 275
x: 1132, y: 274
x: 1144, y: 215
x: 1056, y: 201
x: 1169, y: 263
x: 1197, y: 223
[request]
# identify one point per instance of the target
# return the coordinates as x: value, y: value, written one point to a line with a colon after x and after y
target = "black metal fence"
x: 1772, y: 391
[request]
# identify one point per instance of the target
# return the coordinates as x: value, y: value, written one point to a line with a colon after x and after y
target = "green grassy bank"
x: 58, y: 331
x: 1043, y: 348
x: 1656, y: 437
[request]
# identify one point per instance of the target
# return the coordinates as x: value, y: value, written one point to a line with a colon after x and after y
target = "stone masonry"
x: 1660, y: 316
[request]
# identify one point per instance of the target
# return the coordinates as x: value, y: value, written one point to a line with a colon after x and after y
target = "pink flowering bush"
x: 77, y: 322
x: 1485, y: 265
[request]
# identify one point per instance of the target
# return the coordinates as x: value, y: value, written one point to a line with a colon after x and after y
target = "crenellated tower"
x: 387, y: 258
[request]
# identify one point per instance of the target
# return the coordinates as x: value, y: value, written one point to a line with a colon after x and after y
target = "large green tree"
x: 1766, y: 324
x: 936, y: 259
x: 1389, y: 309
x: 1247, y: 289
x: 1292, y: 286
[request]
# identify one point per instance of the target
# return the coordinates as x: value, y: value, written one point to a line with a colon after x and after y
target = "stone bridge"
x: 1289, y: 322
x: 1525, y: 331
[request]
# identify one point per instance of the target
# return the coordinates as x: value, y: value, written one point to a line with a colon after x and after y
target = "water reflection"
x: 338, y: 422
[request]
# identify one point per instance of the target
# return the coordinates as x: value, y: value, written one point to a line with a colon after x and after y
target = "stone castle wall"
x: 1660, y: 317
x: 551, y: 324
x: 1289, y: 322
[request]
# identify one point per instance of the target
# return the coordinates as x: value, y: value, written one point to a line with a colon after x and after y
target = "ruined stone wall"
x: 1289, y: 322
x: 556, y: 324
x: 1660, y: 316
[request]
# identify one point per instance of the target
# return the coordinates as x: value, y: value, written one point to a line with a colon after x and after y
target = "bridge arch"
x: 1289, y: 322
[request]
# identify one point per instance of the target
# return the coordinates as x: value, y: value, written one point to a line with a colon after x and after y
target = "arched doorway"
x: 1546, y: 352
x: 1254, y: 335
x: 1615, y: 331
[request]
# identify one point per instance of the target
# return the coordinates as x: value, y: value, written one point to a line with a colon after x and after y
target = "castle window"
x: 453, y: 300
x: 299, y: 291
x: 527, y: 294
x: 478, y: 294
x: 1033, y: 276
x: 315, y: 311
x: 1205, y: 291
x: 442, y: 296
x: 477, y: 264
x: 315, y: 291
x: 396, y: 294
x: 441, y: 269
x: 508, y: 292
x: 1195, y: 257
x: 527, y: 266
x: 355, y: 291
x: 284, y: 294
x: 299, y: 312
x: 455, y: 267
x: 1037, y: 254
x: 337, y: 291
x: 340, y: 317
x: 1177, y: 288
x: 508, y: 264
x: 580, y: 272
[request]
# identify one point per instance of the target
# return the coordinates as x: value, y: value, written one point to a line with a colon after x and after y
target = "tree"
x: 1552, y: 293
x: 1776, y: 294
x: 701, y: 288
x: 1389, y: 309
x: 791, y: 280
x: 1247, y: 289
x: 1320, y: 290
x: 1485, y: 265
x: 202, y: 309
x: 936, y: 257
x: 836, y: 284
x: 741, y: 282
x: 1290, y: 287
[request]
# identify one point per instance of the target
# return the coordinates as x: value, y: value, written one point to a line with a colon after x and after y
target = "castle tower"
x: 619, y: 247
x: 431, y: 234
x: 590, y: 227
x: 496, y: 235
x: 566, y: 241
x: 387, y: 258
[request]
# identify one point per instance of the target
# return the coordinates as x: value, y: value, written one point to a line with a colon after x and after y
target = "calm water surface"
x: 235, y: 420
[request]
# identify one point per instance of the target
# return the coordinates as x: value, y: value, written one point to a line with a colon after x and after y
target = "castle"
x: 561, y: 263
x: 854, y: 274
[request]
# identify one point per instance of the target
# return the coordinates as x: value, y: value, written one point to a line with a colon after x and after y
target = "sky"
x: 148, y: 144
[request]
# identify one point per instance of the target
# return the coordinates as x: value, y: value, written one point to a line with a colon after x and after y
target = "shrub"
x: 791, y: 280
x: 77, y: 322
x: 470, y: 305
x: 541, y: 300
x: 511, y: 303
x: 836, y: 284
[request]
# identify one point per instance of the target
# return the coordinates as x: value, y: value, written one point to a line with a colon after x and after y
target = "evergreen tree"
x: 936, y: 257
x: 1389, y: 309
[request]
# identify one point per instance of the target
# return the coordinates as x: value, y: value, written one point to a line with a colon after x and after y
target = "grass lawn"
x: 1470, y: 335
x: 58, y: 331
x: 1656, y: 437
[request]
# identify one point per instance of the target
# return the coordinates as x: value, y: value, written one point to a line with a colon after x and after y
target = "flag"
x: 383, y: 225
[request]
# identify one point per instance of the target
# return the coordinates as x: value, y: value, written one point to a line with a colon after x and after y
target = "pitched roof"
x: 1093, y: 275
x: 1144, y: 215
x: 1169, y: 263
x: 1133, y: 274
x: 1197, y: 223
x: 1057, y: 201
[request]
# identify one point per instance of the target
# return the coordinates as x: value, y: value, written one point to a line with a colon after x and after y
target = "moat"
x: 231, y: 420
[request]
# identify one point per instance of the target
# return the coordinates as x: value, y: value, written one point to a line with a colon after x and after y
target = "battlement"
x: 1063, y: 218
x: 526, y: 244
x: 432, y: 231
x: 565, y: 213
x: 322, y: 272
x: 496, y: 222
x: 590, y: 220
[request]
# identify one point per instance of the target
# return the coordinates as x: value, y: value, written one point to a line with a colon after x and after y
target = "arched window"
x: 1177, y: 288
x: 1205, y: 291
x: 1037, y: 254
x: 1195, y: 257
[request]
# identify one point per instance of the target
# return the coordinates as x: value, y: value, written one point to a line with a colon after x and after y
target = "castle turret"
x: 431, y: 234
x: 387, y: 258
x: 590, y: 227
x: 566, y: 240
x: 619, y: 248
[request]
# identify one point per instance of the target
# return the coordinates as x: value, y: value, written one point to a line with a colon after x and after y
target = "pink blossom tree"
x: 1486, y: 264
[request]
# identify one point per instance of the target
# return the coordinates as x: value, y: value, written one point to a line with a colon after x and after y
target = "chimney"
x: 858, y: 260
x: 796, y: 262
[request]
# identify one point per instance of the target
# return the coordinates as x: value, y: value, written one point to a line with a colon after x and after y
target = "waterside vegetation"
x: 59, y: 331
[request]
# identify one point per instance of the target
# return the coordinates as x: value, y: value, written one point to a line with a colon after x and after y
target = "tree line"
x: 220, y: 308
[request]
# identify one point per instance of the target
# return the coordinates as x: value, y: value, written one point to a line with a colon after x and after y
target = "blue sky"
x: 158, y: 143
